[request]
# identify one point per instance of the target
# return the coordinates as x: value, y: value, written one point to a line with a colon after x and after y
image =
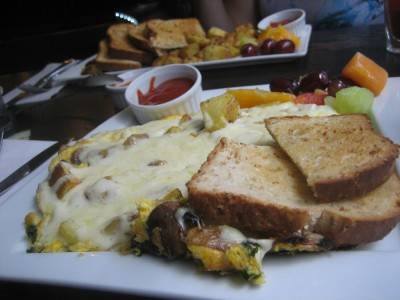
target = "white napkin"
x: 34, y: 98
x: 17, y: 152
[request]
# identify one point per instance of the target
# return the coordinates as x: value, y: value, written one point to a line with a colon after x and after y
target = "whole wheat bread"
x: 258, y: 190
x: 340, y: 155
x: 120, y: 46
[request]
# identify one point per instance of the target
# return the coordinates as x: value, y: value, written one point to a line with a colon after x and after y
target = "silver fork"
x: 44, y: 84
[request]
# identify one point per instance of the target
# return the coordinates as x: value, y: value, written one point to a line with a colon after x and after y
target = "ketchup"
x: 282, y: 22
x: 166, y: 91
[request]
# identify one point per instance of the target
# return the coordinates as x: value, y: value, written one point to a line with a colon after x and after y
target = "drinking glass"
x: 392, y: 21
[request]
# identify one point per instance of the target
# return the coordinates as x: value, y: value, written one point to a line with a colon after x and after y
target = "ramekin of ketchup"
x: 164, y: 91
x: 293, y: 19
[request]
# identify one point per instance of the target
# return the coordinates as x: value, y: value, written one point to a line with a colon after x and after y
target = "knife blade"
x: 28, y: 167
x: 91, y: 81
x: 45, y: 82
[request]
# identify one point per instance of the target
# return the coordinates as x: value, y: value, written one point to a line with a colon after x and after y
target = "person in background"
x: 225, y: 14
x: 323, y: 14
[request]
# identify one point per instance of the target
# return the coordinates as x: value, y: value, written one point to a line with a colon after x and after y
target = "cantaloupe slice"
x: 253, y: 97
x: 365, y: 72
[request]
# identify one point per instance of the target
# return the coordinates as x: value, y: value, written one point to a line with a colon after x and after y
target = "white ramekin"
x: 187, y: 103
x: 296, y: 26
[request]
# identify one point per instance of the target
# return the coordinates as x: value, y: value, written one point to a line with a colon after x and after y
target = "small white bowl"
x: 187, y: 103
x: 297, y: 15
x: 117, y: 91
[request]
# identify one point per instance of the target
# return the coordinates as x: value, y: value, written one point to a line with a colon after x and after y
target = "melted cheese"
x: 232, y: 235
x: 118, y: 176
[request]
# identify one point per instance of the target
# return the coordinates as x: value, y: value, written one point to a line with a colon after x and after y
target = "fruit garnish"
x: 352, y: 100
x: 278, y: 33
x: 253, y: 97
x: 310, y: 98
x: 219, y: 111
x: 267, y: 46
x: 249, y: 50
x: 284, y: 46
x: 366, y: 73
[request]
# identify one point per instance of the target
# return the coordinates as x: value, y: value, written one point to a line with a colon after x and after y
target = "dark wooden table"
x: 76, y: 111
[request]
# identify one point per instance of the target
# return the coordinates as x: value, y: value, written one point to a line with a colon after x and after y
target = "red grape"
x: 267, y: 46
x: 284, y: 46
x: 249, y: 50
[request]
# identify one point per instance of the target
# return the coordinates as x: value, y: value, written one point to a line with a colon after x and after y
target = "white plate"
x: 370, y: 272
x: 304, y: 35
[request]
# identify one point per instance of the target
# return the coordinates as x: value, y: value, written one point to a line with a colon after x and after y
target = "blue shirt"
x: 330, y: 13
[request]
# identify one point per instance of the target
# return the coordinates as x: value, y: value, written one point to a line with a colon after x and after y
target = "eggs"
x: 104, y: 177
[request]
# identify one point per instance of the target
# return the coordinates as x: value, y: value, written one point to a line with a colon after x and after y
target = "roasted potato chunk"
x: 219, y: 111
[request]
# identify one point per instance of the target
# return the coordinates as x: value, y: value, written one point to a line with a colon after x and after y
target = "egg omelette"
x: 94, y: 185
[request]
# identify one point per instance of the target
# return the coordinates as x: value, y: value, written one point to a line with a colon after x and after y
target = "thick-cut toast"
x: 340, y: 155
x: 138, y: 35
x: 120, y: 46
x: 172, y: 34
x: 166, y: 34
x: 105, y: 63
x: 258, y: 190
x: 159, y: 35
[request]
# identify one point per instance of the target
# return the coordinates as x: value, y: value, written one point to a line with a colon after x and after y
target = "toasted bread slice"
x: 166, y: 34
x: 138, y: 35
x: 105, y: 63
x: 258, y: 190
x: 172, y: 34
x: 120, y: 46
x: 340, y: 155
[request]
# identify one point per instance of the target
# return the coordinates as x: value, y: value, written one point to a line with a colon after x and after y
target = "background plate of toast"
x: 116, y: 66
x: 369, y: 272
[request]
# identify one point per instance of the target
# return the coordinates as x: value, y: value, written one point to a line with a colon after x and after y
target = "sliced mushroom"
x: 59, y: 171
x: 185, y: 118
x: 165, y: 232
x: 134, y: 138
x: 173, y: 129
x: 157, y: 163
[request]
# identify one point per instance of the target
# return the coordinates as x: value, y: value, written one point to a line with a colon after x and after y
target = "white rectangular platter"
x: 304, y: 35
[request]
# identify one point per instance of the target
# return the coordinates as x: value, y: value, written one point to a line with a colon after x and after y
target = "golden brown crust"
x: 271, y: 220
x: 359, y: 185
x: 246, y: 214
x: 343, y: 231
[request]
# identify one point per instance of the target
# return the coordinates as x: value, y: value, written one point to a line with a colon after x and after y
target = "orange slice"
x: 253, y: 97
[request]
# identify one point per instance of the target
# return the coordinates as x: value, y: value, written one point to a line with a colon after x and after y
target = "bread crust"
x: 105, y: 63
x: 358, y: 185
x: 246, y: 214
x: 343, y: 231
x: 266, y: 221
